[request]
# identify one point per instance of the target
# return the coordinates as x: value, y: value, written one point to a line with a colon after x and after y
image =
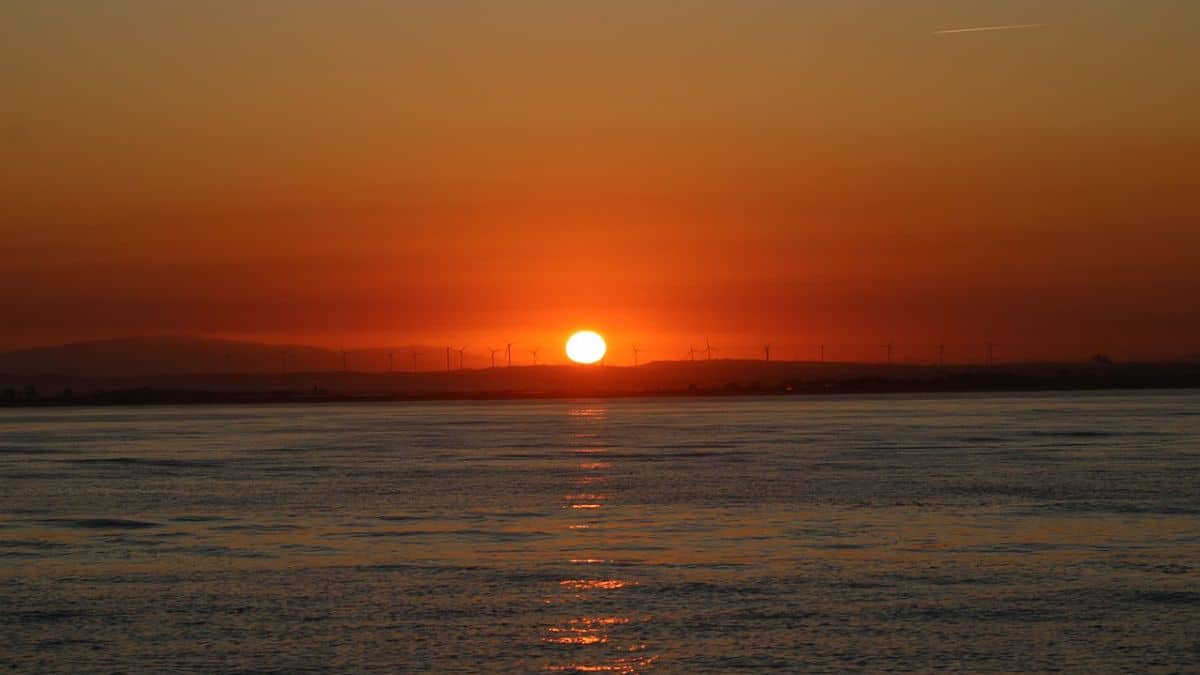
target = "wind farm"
x: 189, y: 369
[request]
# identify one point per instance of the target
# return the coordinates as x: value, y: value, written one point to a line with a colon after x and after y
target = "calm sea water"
x: 966, y: 533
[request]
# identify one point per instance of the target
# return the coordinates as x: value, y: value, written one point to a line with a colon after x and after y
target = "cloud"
x: 984, y: 29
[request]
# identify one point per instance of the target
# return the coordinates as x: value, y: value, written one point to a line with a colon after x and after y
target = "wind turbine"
x: 888, y: 347
x: 767, y: 352
x: 534, y: 351
x: 636, y: 350
x: 822, y: 353
x: 447, y: 359
x: 461, y: 351
x: 415, y: 354
x: 493, y: 351
x: 691, y: 353
x: 391, y: 361
x: 508, y: 354
x: 708, y: 350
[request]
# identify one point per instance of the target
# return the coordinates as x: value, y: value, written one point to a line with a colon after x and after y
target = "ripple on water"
x: 149, y: 462
x: 99, y: 523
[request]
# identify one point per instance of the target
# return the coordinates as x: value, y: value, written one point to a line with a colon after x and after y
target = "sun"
x: 586, y: 346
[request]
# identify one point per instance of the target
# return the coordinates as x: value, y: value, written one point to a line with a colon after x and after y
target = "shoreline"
x: 150, y: 396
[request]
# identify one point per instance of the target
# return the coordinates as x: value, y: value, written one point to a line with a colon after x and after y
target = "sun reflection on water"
x: 600, y: 643
x: 595, y: 466
x: 623, y: 666
x: 585, y: 630
x: 587, y: 412
x: 595, y: 584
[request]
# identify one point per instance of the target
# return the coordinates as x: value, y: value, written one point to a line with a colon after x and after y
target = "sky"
x: 849, y: 172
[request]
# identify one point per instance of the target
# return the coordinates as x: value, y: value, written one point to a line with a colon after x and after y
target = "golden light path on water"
x: 597, y: 643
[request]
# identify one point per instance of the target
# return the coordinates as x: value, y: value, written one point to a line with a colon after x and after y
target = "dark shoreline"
x: 970, y: 382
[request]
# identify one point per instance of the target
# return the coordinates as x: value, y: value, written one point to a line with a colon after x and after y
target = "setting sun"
x: 586, y: 347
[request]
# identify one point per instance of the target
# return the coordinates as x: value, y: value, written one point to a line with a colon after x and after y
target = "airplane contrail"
x: 982, y: 29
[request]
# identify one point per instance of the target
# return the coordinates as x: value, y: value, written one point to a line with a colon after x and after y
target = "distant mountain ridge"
x: 181, y: 355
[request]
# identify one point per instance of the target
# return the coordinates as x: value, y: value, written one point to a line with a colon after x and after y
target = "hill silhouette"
x: 166, y: 370
x: 175, y: 355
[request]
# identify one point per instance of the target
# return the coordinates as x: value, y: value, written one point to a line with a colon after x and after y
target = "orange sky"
x: 365, y: 173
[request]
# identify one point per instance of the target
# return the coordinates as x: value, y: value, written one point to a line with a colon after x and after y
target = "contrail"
x: 982, y: 29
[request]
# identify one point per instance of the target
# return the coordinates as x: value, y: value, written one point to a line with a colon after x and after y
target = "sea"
x: 967, y: 533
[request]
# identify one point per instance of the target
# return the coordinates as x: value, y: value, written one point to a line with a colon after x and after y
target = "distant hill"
x: 158, y: 355
x: 315, y: 375
x: 164, y: 369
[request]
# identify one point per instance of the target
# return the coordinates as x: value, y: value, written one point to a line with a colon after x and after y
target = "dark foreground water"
x: 966, y: 533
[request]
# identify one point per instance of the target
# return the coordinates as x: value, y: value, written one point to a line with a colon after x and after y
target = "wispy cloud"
x: 984, y: 29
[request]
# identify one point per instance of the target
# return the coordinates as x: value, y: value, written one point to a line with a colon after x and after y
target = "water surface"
x: 1010, y: 533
